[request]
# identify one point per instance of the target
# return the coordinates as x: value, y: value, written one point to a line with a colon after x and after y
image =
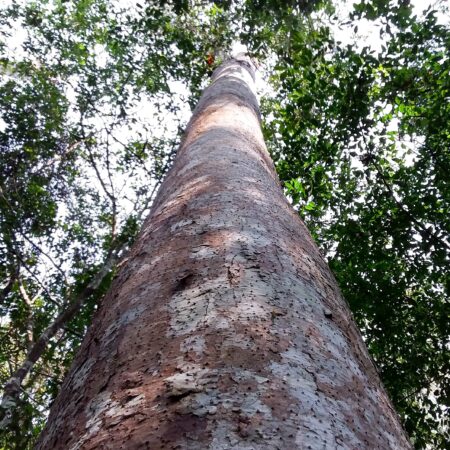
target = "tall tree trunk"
x: 225, y: 329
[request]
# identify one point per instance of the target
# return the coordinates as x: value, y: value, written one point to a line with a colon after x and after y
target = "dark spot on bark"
x: 184, y: 282
x: 185, y: 425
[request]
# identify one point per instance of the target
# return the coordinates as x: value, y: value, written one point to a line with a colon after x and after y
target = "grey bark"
x: 225, y: 329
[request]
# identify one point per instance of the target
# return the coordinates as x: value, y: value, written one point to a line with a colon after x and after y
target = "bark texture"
x: 225, y: 328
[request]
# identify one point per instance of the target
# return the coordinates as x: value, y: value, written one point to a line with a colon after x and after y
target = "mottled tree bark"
x: 225, y: 328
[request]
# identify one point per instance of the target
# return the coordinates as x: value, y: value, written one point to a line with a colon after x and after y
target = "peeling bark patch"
x: 182, y: 384
x: 191, y: 308
x: 195, y: 344
x: 234, y: 275
x: 181, y: 224
x: 81, y: 375
x: 94, y: 419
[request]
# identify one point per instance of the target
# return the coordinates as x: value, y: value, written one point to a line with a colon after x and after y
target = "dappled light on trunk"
x: 224, y: 328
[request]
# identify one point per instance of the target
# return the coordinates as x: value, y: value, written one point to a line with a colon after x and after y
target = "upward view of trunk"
x: 225, y: 328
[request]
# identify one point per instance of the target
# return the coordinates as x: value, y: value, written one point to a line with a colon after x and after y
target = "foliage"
x: 361, y: 140
x: 92, y: 106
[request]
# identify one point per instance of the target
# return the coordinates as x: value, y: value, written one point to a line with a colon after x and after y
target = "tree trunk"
x: 225, y: 328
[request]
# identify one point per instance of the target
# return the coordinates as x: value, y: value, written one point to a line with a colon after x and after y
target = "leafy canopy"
x: 93, y: 101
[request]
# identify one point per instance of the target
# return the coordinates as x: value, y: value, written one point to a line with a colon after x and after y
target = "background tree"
x: 360, y: 139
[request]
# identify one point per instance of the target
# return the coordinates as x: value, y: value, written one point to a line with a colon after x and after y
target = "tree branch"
x: 29, y: 322
x: 13, y: 386
x: 7, y: 289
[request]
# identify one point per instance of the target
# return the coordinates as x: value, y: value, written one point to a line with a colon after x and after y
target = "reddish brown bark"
x: 225, y: 329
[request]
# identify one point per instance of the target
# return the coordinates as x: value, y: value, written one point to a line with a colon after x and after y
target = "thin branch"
x: 113, y: 199
x: 97, y: 172
x: 39, y: 249
x: 29, y: 323
x: 7, y: 289
x: 110, y: 194
x: 41, y: 284
x: 419, y: 225
x: 391, y: 192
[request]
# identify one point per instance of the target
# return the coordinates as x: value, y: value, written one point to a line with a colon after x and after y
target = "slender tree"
x: 224, y: 328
